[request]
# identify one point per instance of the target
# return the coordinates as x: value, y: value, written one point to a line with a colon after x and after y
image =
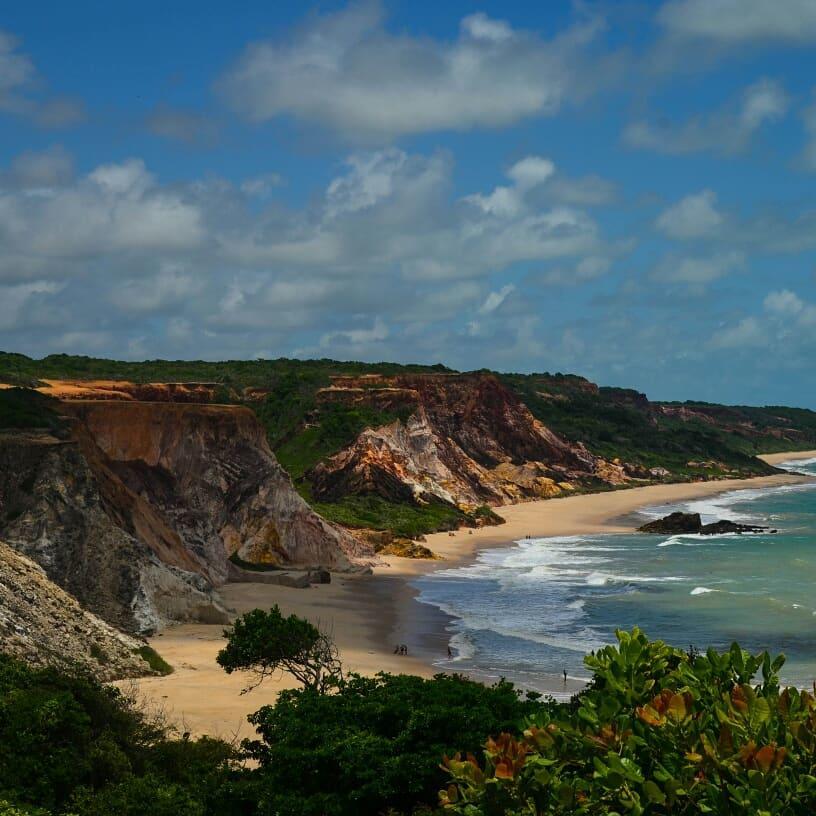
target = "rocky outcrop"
x: 679, y: 523
x: 136, y: 513
x: 209, y: 473
x: 468, y: 441
x: 43, y: 625
x: 55, y: 509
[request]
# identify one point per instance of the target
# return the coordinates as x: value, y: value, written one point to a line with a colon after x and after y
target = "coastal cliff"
x: 61, y: 512
x: 208, y: 470
x: 134, y: 508
x: 467, y: 441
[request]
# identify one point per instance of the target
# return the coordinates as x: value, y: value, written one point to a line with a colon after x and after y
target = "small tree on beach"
x: 265, y: 642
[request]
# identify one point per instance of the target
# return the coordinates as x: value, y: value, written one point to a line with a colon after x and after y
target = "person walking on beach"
x: 450, y: 653
x: 565, y: 677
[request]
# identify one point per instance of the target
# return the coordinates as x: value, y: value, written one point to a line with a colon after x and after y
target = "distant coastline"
x: 369, y: 615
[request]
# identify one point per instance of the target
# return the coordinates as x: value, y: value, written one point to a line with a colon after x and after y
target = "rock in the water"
x: 674, y: 524
x: 678, y: 523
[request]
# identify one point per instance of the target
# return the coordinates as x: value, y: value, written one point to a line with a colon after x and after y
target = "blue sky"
x: 622, y: 190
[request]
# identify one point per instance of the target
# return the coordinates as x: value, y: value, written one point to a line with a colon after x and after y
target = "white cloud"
x: 261, y: 186
x: 19, y: 86
x: 727, y: 131
x: 698, y: 271
x: 531, y: 171
x: 370, y: 179
x: 15, y: 298
x: 748, y: 333
x: 117, y: 207
x: 46, y: 168
x: 495, y: 299
x: 347, y: 71
x: 16, y: 73
x: 694, y: 216
x: 783, y: 302
x: 167, y: 288
x: 356, y: 338
x: 736, y: 22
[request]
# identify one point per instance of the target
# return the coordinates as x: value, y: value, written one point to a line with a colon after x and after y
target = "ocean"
x: 532, y: 611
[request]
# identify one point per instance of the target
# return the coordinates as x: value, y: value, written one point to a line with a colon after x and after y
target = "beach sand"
x: 369, y: 615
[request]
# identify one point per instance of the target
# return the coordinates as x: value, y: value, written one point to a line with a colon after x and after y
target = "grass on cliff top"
x: 620, y: 423
x: 22, y: 370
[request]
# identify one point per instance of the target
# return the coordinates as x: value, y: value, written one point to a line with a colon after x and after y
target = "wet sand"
x: 369, y: 615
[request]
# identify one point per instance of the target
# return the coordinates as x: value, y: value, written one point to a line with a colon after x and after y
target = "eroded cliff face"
x: 468, y: 441
x: 56, y: 509
x: 136, y: 511
x: 209, y: 473
x: 43, y: 625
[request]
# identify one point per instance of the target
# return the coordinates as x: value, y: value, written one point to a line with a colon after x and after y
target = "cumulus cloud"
x: 210, y: 261
x: 726, y: 131
x: 694, y: 216
x: 787, y: 321
x: 748, y: 333
x: 16, y: 73
x: 348, y: 72
x: 737, y: 22
x: 495, y: 299
x: 115, y: 208
x: 698, y: 271
x: 45, y: 168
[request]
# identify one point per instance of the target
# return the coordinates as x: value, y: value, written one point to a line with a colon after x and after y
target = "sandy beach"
x: 368, y: 615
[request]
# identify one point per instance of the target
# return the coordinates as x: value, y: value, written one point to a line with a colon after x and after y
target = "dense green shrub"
x: 659, y: 731
x: 374, y: 744
x: 71, y: 745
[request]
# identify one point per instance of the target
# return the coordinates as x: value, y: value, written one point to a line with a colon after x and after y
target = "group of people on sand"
x: 402, y: 649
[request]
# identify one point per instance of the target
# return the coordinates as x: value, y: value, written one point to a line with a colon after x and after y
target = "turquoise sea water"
x: 531, y: 611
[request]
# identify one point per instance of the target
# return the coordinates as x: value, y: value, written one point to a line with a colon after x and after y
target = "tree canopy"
x: 265, y: 642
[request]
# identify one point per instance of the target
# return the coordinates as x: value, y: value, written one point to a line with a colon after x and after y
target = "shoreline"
x: 369, y: 615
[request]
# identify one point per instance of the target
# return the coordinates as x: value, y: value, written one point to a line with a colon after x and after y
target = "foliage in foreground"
x: 659, y: 731
x: 375, y: 743
x: 71, y: 745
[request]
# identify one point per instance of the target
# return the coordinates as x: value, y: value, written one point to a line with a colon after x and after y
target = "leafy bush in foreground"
x: 71, y: 745
x: 374, y: 744
x: 659, y: 731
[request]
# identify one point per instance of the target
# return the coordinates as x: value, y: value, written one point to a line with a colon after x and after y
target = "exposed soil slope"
x: 65, y: 514
x: 468, y: 441
x: 209, y: 472
x: 134, y: 508
x: 44, y: 625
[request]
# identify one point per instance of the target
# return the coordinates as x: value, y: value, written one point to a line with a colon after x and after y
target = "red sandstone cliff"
x: 468, y: 441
